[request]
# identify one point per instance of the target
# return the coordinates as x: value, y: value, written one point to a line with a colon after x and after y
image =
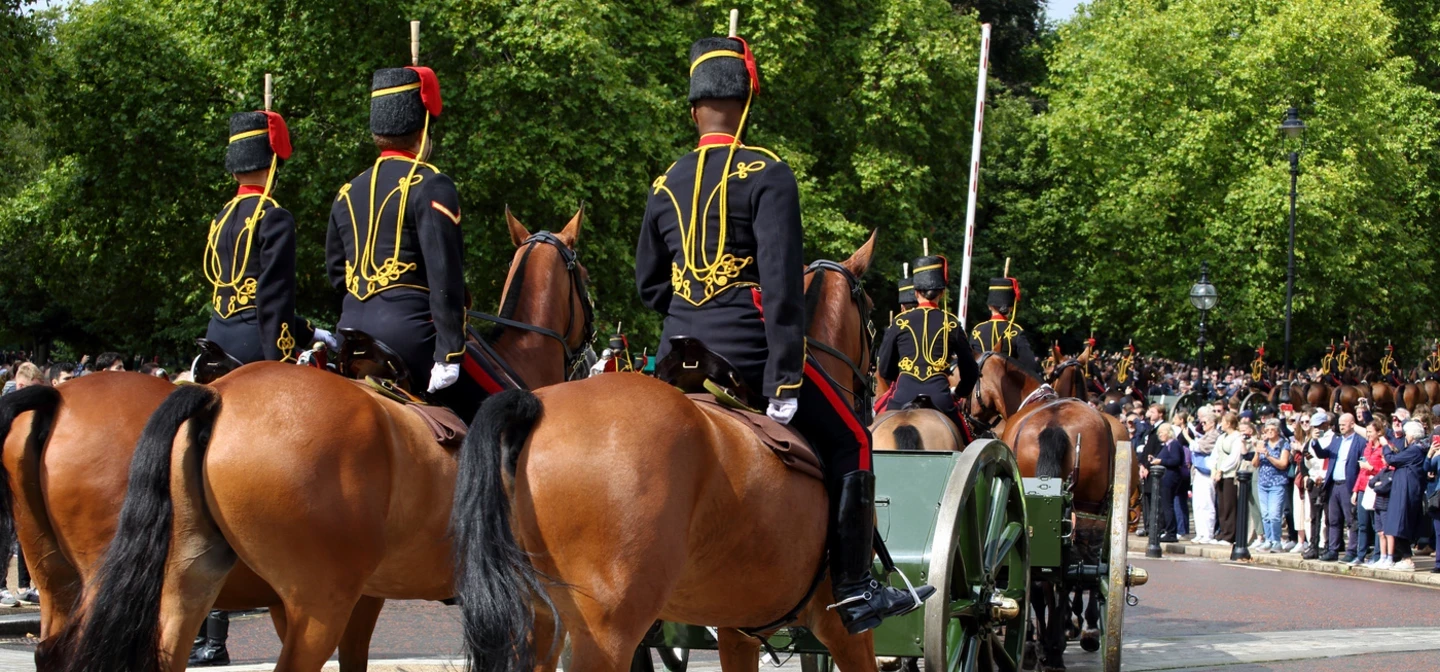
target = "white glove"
x: 443, y: 376
x: 782, y: 410
x: 327, y: 338
x: 599, y: 366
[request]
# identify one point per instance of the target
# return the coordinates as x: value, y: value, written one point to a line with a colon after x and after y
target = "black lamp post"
x: 1203, y: 297
x: 1293, y: 129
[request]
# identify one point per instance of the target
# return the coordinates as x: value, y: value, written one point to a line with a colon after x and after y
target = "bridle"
x: 863, y: 391
x: 574, y: 357
x: 1042, y: 393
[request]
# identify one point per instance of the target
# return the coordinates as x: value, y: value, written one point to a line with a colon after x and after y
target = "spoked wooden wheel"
x: 980, y: 566
x: 1112, y: 585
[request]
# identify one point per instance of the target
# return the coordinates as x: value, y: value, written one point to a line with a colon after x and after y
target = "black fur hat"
x: 398, y: 113
x: 248, y: 153
x: 720, y: 77
x: 930, y: 273
x: 907, y: 291
x: 1003, y: 292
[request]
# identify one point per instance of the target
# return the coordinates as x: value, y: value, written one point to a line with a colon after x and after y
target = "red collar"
x: 997, y: 316
x: 397, y: 152
x: 928, y: 304
x: 247, y: 189
x: 711, y: 139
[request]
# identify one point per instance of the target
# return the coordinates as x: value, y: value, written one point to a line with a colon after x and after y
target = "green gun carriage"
x: 970, y: 525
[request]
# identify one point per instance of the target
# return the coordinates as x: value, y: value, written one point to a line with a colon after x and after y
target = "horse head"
x: 1003, y: 388
x: 839, y: 328
x: 545, y: 308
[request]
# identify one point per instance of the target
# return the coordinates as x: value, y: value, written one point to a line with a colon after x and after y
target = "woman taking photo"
x: 1273, y: 460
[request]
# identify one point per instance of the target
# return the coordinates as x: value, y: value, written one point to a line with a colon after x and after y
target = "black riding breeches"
x: 830, y: 426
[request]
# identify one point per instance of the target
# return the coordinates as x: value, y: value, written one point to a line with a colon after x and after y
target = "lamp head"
x: 1292, y: 126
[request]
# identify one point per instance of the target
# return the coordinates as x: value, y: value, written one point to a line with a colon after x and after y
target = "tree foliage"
x: 1162, y: 151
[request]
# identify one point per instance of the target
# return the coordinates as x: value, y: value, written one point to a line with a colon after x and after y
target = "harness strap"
x: 1042, y: 393
x: 494, y: 356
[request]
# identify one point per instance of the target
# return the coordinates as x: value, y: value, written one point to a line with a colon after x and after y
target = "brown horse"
x: 1042, y: 430
x: 687, y: 518
x: 66, y: 461
x: 327, y: 490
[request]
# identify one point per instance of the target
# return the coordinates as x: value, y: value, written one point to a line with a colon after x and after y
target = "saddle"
x: 715, y: 385
x: 212, y: 362
x: 696, y: 369
x: 362, y: 356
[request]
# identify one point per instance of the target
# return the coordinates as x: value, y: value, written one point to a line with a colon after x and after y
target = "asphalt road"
x: 1194, y: 615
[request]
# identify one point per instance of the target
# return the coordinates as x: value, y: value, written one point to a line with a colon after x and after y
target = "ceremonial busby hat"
x: 256, y: 139
x: 619, y: 344
x: 907, y: 290
x: 1004, y: 292
x: 722, y: 67
x: 401, y: 98
x: 930, y: 273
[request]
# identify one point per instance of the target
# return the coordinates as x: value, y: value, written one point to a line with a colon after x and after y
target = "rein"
x: 574, y: 357
x: 863, y: 393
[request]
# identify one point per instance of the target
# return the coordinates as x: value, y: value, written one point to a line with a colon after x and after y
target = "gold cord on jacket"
x: 381, y: 276
x: 244, y: 288
x: 931, y: 349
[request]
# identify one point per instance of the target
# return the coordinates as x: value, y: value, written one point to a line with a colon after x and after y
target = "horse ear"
x: 859, y: 262
x: 571, y: 234
x: 518, y: 232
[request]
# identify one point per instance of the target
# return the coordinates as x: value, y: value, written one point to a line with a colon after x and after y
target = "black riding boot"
x: 212, y: 652
x: 862, y: 601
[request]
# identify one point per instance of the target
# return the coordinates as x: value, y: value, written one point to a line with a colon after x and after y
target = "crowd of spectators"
x: 1355, y: 488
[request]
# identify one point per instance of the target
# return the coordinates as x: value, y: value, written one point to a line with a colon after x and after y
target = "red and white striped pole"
x: 964, y: 299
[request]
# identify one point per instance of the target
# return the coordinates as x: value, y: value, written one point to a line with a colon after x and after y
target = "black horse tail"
x: 907, y: 437
x: 43, y: 401
x: 1054, y: 444
x: 118, y: 626
x: 494, y: 578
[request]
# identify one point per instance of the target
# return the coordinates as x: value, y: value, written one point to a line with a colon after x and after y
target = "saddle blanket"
x: 786, y: 443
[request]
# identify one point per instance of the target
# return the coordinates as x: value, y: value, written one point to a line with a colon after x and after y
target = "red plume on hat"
x: 279, y: 134
x: 429, y: 89
x: 750, y: 66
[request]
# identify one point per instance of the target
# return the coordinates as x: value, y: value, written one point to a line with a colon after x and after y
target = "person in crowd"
x: 1172, y: 457
x: 1403, y: 519
x: 1203, y: 480
x: 1432, y: 476
x: 1224, y: 464
x: 1273, y: 462
x: 110, y: 361
x: 60, y: 374
x: 1304, y: 486
x: 1180, y: 496
x: 1253, y: 528
x: 1147, y: 447
x: 26, y: 374
x: 1385, y: 542
x: 1342, y: 456
x: 1368, y: 547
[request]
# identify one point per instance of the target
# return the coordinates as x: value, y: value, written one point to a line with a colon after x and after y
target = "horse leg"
x: 314, y: 627
x: 547, y: 641
x: 851, y: 653
x: 355, y: 643
x: 1090, y: 638
x: 277, y: 617
x: 1074, y: 619
x: 738, y: 653
x: 1054, y: 640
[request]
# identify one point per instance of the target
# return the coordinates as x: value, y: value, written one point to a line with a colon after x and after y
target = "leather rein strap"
x: 863, y: 392
x: 573, y: 356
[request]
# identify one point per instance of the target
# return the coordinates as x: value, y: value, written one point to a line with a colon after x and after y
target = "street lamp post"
x: 1293, y: 129
x: 1203, y: 297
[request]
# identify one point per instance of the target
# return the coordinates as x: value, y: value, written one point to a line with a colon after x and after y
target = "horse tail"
x: 43, y: 401
x: 1054, y: 444
x: 907, y: 437
x: 494, y: 579
x: 118, y: 626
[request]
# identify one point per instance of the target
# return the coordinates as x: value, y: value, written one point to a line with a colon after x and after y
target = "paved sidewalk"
x: 1420, y: 576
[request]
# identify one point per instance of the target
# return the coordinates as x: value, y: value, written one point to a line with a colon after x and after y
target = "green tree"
x: 1163, y: 152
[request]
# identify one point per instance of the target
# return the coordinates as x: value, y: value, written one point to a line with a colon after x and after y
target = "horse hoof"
x: 888, y: 663
x: 1072, y: 633
x: 1090, y: 641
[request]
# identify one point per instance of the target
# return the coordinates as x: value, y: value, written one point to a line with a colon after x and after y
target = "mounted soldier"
x: 885, y: 388
x: 1257, y: 371
x: 1431, y: 365
x: 999, y: 333
x: 250, y: 252
x: 395, y: 249
x: 922, y: 345
x: 720, y: 255
x: 250, y: 263
x: 1390, y: 369
x: 1328, y: 371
